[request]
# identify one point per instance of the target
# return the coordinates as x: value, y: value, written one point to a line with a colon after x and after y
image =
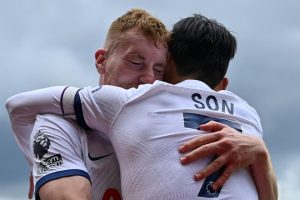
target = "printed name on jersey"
x: 49, y: 163
x: 212, y: 103
x: 41, y: 144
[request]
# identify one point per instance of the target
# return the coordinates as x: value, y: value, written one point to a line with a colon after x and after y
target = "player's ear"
x: 222, y: 85
x: 100, y: 60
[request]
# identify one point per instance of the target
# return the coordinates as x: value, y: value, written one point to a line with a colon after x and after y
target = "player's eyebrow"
x: 136, y: 54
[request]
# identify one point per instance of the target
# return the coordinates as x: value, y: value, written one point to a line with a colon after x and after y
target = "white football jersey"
x: 60, y: 148
x: 147, y: 125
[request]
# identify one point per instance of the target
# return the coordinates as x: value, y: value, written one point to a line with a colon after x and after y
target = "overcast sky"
x: 46, y: 43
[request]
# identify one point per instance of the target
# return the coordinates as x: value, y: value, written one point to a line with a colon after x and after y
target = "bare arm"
x: 67, y: 188
x: 235, y: 151
x: 264, y: 177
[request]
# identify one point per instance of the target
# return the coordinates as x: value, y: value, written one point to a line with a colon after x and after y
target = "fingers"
x: 200, y: 152
x: 224, y: 177
x: 199, y: 141
x: 232, y: 150
x: 212, y: 126
x: 214, y: 166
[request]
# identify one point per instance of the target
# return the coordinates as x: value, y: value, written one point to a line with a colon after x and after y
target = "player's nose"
x: 147, y: 76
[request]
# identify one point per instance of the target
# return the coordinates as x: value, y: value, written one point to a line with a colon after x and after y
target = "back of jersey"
x: 150, y: 128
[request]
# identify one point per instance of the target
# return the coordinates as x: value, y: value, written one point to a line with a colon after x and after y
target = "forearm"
x: 264, y: 177
x: 35, y: 102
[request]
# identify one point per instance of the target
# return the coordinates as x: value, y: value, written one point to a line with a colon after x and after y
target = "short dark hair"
x: 202, y: 48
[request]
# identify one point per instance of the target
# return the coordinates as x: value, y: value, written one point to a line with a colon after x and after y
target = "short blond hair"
x: 143, y: 21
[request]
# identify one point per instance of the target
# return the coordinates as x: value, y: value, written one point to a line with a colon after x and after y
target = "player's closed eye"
x: 158, y: 72
x: 135, y: 65
x: 134, y: 62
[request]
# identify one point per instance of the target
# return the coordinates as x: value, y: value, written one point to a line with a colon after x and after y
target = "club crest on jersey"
x: 41, y: 144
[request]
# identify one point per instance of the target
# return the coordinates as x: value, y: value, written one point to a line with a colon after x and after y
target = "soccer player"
x: 201, y: 49
x: 65, y: 159
x: 204, y: 54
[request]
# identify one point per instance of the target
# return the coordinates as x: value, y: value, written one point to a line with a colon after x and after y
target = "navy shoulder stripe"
x: 79, y: 113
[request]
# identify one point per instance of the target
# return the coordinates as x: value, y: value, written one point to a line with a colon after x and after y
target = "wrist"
x: 264, y: 175
x: 263, y: 156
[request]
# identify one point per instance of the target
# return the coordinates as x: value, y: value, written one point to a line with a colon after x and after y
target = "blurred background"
x: 46, y: 43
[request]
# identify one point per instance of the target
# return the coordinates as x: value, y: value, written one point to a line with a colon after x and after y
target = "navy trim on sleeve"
x: 79, y: 113
x: 57, y: 175
x: 61, y: 100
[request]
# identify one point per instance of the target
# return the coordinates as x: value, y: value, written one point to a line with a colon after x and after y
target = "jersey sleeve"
x: 23, y: 108
x: 95, y: 107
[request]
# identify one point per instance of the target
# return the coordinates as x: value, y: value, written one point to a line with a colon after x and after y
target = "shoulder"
x: 57, y: 124
x: 244, y: 110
